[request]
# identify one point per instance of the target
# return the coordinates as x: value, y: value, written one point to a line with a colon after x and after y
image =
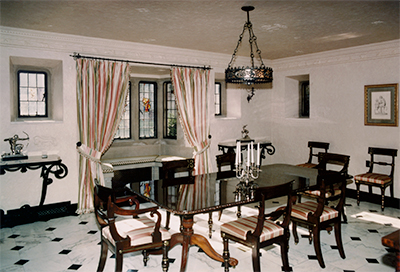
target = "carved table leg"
x: 187, y: 238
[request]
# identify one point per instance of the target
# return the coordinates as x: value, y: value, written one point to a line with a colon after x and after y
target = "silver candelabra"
x: 246, y: 172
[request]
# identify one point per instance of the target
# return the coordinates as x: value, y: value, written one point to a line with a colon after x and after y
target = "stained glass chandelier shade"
x: 251, y: 74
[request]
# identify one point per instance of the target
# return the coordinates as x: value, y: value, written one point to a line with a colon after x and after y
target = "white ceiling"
x: 283, y: 28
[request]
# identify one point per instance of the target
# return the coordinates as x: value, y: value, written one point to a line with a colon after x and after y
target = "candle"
x: 237, y: 152
x: 252, y: 152
x: 248, y: 154
x: 258, y: 154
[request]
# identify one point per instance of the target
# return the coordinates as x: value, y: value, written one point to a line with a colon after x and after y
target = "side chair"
x: 174, y: 172
x: 135, y: 232
x: 316, y: 216
x: 315, y: 149
x: 379, y: 157
x: 328, y: 160
x: 262, y: 230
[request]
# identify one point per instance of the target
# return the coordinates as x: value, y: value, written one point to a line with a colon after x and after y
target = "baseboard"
x: 373, y: 198
x: 27, y: 214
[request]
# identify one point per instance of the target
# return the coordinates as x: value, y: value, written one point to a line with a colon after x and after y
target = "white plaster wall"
x: 337, y: 81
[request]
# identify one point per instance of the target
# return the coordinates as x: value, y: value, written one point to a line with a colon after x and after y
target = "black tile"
x: 373, y: 211
x: 334, y: 247
x: 349, y: 271
x: 372, y: 261
x: 305, y: 236
x: 132, y: 270
x: 57, y: 239
x: 390, y: 250
x: 50, y: 229
x: 13, y: 236
x: 92, y: 232
x: 312, y: 257
x: 275, y: 202
x: 373, y: 231
x: 83, y: 223
x: 74, y: 267
x: 112, y: 256
x: 17, y: 248
x: 64, y: 251
x: 348, y: 205
x: 22, y: 262
x: 170, y: 260
x: 355, y: 238
x: 283, y: 269
x: 200, y: 250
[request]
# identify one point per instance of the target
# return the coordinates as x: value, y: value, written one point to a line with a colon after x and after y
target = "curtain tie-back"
x: 206, y: 146
x: 89, y: 153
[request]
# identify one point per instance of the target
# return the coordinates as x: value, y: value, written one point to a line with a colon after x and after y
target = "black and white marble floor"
x: 72, y: 244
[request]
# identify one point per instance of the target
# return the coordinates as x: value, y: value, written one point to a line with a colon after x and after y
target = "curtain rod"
x: 78, y: 56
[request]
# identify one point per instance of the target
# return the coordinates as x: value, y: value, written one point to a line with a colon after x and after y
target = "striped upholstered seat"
x: 301, y: 211
x: 373, y: 178
x: 240, y: 227
x: 138, y: 230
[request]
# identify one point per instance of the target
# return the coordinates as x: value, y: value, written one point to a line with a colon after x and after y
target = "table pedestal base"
x: 188, y: 238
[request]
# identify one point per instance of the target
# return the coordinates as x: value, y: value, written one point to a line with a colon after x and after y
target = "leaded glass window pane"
x: 170, y: 112
x: 124, y: 128
x: 32, y: 94
x: 147, y: 110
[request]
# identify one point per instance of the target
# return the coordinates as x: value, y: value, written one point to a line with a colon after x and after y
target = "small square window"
x: 32, y: 94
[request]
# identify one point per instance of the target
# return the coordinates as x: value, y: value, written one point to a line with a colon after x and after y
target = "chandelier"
x: 248, y: 75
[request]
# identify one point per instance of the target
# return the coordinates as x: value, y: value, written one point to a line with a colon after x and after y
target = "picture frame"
x: 381, y: 105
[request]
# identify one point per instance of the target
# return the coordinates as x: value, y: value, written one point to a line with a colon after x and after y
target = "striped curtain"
x: 102, y: 88
x: 191, y: 93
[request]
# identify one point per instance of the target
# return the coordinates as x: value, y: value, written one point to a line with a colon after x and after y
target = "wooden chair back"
x: 377, y: 153
x: 328, y: 160
x: 177, y: 172
x: 226, y: 165
x: 315, y: 148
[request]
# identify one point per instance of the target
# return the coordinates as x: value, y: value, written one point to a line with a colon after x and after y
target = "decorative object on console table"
x: 16, y: 149
x: 381, y: 105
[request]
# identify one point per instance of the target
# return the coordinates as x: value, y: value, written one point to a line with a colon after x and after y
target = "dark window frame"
x: 46, y: 93
x: 155, y: 103
x: 304, y: 107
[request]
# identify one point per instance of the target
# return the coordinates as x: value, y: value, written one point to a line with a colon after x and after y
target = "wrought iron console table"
x: 50, y: 165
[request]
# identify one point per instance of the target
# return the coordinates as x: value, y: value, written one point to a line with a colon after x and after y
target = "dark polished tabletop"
x: 206, y: 193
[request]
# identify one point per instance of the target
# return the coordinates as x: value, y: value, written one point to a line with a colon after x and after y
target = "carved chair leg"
x: 219, y: 215
x: 310, y: 235
x: 118, y: 261
x: 338, y: 237
x: 103, y: 256
x: 256, y: 257
x: 294, y: 231
x: 358, y: 193
x: 284, y: 255
x: 145, y: 257
x: 165, y: 261
x: 225, y: 254
x: 239, y: 212
x: 317, y: 246
x: 210, y: 225
x: 383, y: 198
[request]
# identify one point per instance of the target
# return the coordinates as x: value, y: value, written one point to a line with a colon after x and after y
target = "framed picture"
x: 381, y: 105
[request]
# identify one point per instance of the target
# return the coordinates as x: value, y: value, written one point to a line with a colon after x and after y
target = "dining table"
x: 207, y: 193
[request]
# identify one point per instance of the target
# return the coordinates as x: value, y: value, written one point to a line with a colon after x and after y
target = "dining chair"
x: 330, y: 160
x: 316, y: 216
x: 263, y: 229
x: 175, y: 172
x: 382, y: 158
x: 134, y: 233
x: 315, y: 149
